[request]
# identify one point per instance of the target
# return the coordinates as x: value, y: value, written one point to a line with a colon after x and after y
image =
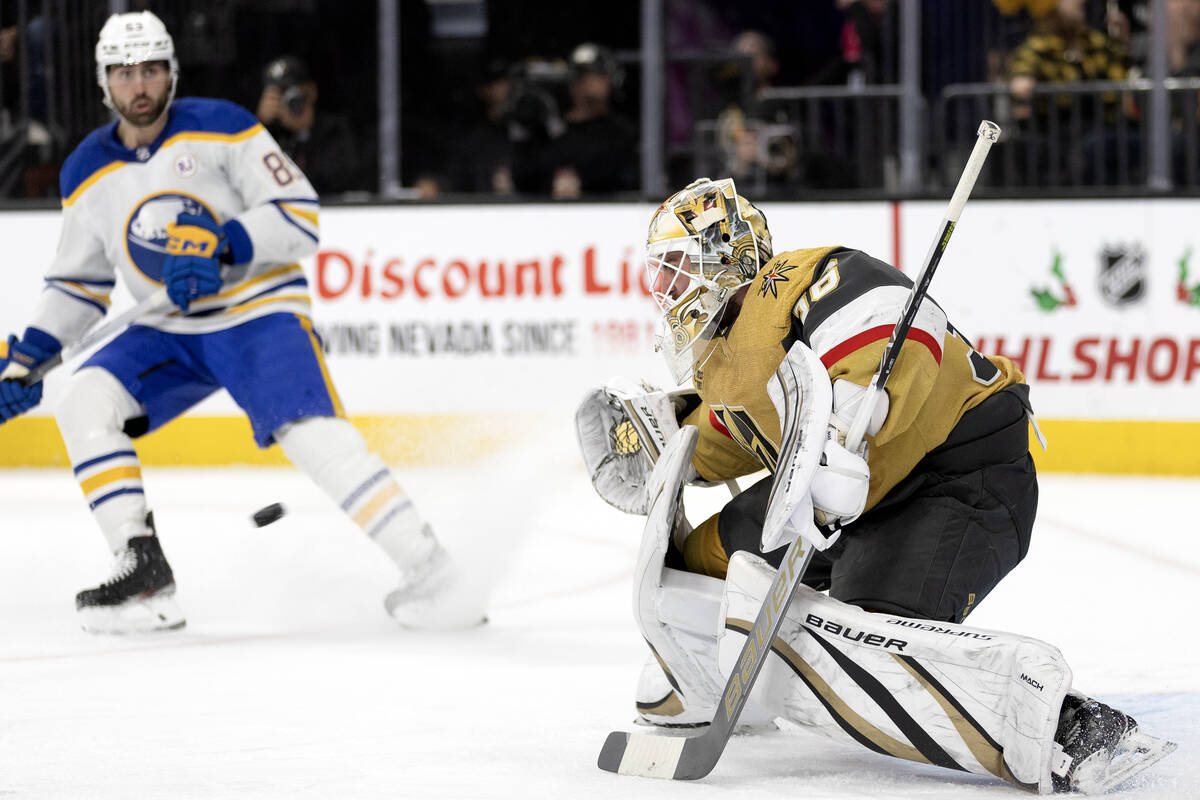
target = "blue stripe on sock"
x: 92, y: 505
x: 357, y: 494
x: 374, y: 530
x: 101, y: 459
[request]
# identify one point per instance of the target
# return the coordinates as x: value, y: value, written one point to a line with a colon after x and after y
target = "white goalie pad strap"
x: 803, y: 397
x: 677, y: 612
x: 963, y: 698
x: 622, y: 428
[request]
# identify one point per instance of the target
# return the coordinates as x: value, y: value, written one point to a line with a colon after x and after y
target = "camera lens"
x: 294, y: 100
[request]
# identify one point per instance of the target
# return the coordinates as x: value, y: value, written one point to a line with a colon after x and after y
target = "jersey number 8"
x: 277, y: 165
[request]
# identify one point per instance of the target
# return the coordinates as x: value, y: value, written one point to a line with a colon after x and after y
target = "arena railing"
x: 1084, y: 138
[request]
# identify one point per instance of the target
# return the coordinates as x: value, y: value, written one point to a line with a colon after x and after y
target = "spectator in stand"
x: 1062, y: 49
x: 484, y: 155
x: 764, y: 63
x: 1073, y: 139
x: 320, y: 142
x: 1183, y: 61
x: 1183, y: 38
x: 597, y: 151
x: 757, y: 142
x: 866, y: 52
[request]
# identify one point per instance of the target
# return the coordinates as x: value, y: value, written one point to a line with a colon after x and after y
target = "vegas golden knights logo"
x: 746, y: 432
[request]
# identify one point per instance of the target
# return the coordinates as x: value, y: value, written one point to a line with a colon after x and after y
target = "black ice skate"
x: 138, y: 598
x: 1100, y: 747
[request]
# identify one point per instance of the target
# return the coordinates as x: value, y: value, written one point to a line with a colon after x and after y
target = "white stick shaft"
x: 988, y: 133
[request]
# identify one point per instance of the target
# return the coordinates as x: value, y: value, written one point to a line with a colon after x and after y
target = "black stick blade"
x: 613, y: 750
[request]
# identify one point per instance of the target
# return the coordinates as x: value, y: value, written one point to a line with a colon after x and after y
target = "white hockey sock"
x: 333, y: 454
x: 91, y: 418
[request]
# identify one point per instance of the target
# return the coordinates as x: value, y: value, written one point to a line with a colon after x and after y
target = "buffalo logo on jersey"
x: 148, y: 233
x: 771, y: 278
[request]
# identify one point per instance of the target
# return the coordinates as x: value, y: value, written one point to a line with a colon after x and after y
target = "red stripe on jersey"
x: 716, y: 423
x: 863, y: 339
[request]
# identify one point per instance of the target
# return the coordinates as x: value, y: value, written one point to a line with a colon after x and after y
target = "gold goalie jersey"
x: 843, y: 304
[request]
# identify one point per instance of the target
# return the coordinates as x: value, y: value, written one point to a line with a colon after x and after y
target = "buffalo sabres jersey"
x: 843, y: 304
x: 213, y: 159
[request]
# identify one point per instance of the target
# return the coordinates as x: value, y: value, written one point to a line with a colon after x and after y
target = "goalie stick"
x: 691, y: 757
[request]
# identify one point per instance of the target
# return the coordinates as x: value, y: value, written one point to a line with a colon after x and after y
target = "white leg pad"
x: 965, y: 698
x: 677, y: 612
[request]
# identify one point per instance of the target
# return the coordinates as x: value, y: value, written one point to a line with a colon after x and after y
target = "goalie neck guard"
x: 705, y: 242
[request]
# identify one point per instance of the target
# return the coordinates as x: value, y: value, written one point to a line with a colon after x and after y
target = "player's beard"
x: 146, y: 116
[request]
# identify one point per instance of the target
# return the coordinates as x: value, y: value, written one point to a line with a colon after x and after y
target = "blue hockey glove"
x: 17, y: 358
x: 192, y: 268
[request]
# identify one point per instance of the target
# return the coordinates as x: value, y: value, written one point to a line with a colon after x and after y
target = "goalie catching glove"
x: 622, y: 429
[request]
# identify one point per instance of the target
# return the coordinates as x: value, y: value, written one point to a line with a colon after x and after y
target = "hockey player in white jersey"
x: 195, y: 196
x: 932, y: 514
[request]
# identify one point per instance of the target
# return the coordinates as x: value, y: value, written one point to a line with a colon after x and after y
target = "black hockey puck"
x: 268, y: 514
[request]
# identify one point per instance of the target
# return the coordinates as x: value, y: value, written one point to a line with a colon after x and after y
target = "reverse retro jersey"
x: 843, y: 304
x: 213, y: 159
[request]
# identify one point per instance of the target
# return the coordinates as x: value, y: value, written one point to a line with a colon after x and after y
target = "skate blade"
x: 140, y: 615
x: 1136, y: 752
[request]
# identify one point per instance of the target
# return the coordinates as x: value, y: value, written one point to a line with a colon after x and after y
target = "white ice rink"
x: 291, y: 682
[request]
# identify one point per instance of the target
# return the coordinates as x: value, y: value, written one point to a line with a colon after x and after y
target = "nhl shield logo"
x: 1122, y: 274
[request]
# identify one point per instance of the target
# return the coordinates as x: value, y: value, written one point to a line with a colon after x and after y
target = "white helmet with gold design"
x: 705, y: 243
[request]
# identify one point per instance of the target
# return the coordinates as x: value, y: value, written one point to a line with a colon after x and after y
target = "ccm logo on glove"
x: 191, y: 240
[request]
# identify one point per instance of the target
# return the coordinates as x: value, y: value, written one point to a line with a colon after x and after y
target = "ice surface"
x: 291, y: 682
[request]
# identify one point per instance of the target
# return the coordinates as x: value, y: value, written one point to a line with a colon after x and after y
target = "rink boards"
x: 453, y: 331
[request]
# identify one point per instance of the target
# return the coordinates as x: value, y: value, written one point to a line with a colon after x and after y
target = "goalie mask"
x: 133, y: 38
x: 705, y: 243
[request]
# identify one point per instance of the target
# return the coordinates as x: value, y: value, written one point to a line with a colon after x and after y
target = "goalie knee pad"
x: 963, y: 698
x: 680, y: 684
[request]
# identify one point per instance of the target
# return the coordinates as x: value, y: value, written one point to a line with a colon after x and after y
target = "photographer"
x: 530, y: 115
x: 321, y: 143
x: 598, y: 150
